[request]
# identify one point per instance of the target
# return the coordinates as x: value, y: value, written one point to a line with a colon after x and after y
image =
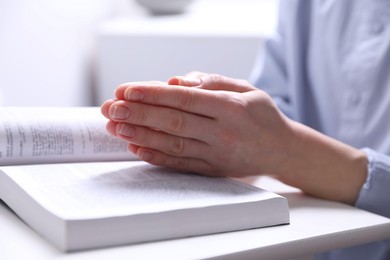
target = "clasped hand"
x: 207, y: 124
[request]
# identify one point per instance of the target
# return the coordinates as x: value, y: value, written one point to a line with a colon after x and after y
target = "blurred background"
x: 74, y: 53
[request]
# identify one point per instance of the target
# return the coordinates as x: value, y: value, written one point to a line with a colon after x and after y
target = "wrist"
x: 324, y: 167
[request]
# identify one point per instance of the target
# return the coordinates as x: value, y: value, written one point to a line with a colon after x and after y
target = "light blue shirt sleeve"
x: 375, y: 193
x: 327, y: 66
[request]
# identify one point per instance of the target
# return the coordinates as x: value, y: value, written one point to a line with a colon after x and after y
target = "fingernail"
x: 126, y: 130
x: 135, y: 95
x: 119, y: 112
x: 146, y: 156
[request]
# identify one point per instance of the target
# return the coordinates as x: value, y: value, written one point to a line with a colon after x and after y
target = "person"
x: 314, y: 116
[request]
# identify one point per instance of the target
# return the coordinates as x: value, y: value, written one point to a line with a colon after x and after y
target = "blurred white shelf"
x: 213, y: 36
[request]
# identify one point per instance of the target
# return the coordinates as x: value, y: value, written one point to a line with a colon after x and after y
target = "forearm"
x: 324, y: 167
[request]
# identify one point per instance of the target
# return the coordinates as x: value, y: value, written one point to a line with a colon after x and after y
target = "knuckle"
x: 138, y: 115
x: 237, y: 104
x: 144, y: 139
x: 214, y: 80
x: 181, y: 164
x: 176, y: 125
x: 216, y: 77
x: 245, y: 83
x: 187, y: 99
x: 178, y: 146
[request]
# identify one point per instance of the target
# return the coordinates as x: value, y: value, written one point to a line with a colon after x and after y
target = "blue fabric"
x: 328, y: 66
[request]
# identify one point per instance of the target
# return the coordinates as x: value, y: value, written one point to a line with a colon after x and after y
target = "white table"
x: 316, y: 226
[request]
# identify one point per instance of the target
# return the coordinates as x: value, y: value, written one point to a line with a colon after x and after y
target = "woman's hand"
x: 219, y: 127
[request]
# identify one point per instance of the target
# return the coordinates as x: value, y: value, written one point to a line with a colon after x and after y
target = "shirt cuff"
x: 375, y: 193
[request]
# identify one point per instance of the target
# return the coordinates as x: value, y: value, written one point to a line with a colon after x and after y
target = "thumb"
x: 185, y: 81
x: 190, y: 79
x: 218, y: 82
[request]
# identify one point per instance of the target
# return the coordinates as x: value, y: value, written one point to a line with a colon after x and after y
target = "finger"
x: 105, y: 107
x: 212, y: 82
x: 160, y: 159
x: 192, y: 100
x: 218, y: 82
x: 166, y: 119
x: 119, y: 91
x: 193, y: 76
x: 179, y: 163
x: 111, y: 127
x: 158, y: 140
x: 185, y: 81
x: 133, y: 148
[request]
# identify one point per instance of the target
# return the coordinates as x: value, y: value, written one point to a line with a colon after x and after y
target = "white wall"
x: 46, y: 46
x: 214, y: 36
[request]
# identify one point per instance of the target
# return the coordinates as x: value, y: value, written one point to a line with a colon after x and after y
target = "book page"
x: 51, y: 135
x: 91, y: 190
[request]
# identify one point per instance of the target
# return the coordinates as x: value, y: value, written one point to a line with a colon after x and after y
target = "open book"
x: 80, y: 205
x: 52, y: 135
